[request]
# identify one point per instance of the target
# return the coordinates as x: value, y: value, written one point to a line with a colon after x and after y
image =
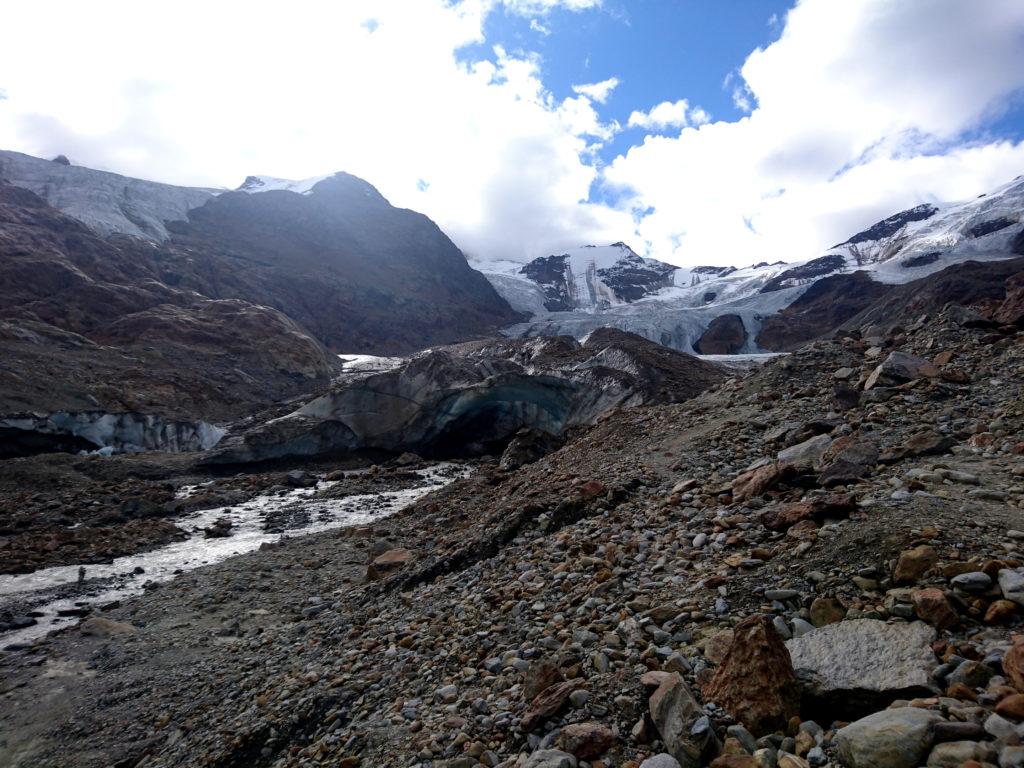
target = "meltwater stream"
x: 47, y: 593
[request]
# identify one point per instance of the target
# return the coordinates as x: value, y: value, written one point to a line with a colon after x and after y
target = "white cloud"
x: 541, y: 7
x: 481, y: 147
x: 598, y: 92
x: 857, y: 112
x: 669, y: 114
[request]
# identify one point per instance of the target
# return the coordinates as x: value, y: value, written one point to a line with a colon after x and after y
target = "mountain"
x: 88, y: 329
x: 127, y: 296
x: 331, y: 253
x: 764, y: 306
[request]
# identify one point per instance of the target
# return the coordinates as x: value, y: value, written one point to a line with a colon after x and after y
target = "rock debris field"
x: 818, y: 562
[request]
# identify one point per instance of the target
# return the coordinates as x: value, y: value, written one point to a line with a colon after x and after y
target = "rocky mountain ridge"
x: 677, y: 306
x: 120, y: 296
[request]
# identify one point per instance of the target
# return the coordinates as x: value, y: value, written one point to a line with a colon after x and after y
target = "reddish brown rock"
x: 592, y: 489
x: 925, y: 443
x: 1012, y: 706
x: 388, y: 563
x: 914, y: 563
x: 1013, y: 664
x: 835, y: 506
x: 1000, y: 612
x: 826, y: 610
x: 548, y: 704
x: 758, y: 481
x: 932, y: 606
x: 541, y: 675
x: 585, y: 740
x: 1011, y: 311
x: 755, y: 683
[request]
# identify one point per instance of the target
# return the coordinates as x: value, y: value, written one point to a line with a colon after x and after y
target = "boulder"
x: 856, y: 666
x: 914, y: 563
x: 900, y: 367
x: 847, y: 460
x: 387, y: 563
x: 818, y: 509
x: 807, y: 454
x: 585, y: 740
x: 755, y: 683
x: 893, y: 738
x: 673, y: 710
x: 757, y: 482
x: 927, y: 442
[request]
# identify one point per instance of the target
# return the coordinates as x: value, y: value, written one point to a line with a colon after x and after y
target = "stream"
x: 58, y: 597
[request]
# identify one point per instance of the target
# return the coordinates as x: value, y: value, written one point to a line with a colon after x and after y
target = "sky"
x: 697, y: 131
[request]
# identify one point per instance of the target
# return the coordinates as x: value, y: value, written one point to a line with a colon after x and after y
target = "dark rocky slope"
x: 594, y: 605
x: 360, y: 274
x: 87, y: 324
x: 821, y: 309
x: 356, y: 272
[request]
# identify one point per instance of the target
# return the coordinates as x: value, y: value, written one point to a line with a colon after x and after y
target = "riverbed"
x: 57, y: 597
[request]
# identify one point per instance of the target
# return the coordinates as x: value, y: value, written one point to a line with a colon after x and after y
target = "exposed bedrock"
x: 724, y: 336
x: 473, y: 398
x: 63, y: 431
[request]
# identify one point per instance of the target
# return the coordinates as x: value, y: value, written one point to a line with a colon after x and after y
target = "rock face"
x: 336, y: 257
x: 358, y: 273
x: 1011, y: 310
x: 826, y: 305
x: 893, y: 738
x: 862, y: 664
x: 467, y: 400
x: 92, y: 325
x: 724, y: 336
x: 755, y: 683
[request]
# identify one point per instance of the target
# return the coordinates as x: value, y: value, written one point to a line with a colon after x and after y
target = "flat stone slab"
x: 862, y: 665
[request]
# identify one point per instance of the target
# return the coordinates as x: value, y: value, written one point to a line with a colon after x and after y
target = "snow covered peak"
x: 594, y: 278
x: 936, y: 235
x: 253, y: 184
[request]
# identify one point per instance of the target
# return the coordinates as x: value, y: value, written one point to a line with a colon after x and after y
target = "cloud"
x: 300, y: 94
x: 858, y: 110
x: 669, y: 114
x: 598, y: 92
x: 541, y: 7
